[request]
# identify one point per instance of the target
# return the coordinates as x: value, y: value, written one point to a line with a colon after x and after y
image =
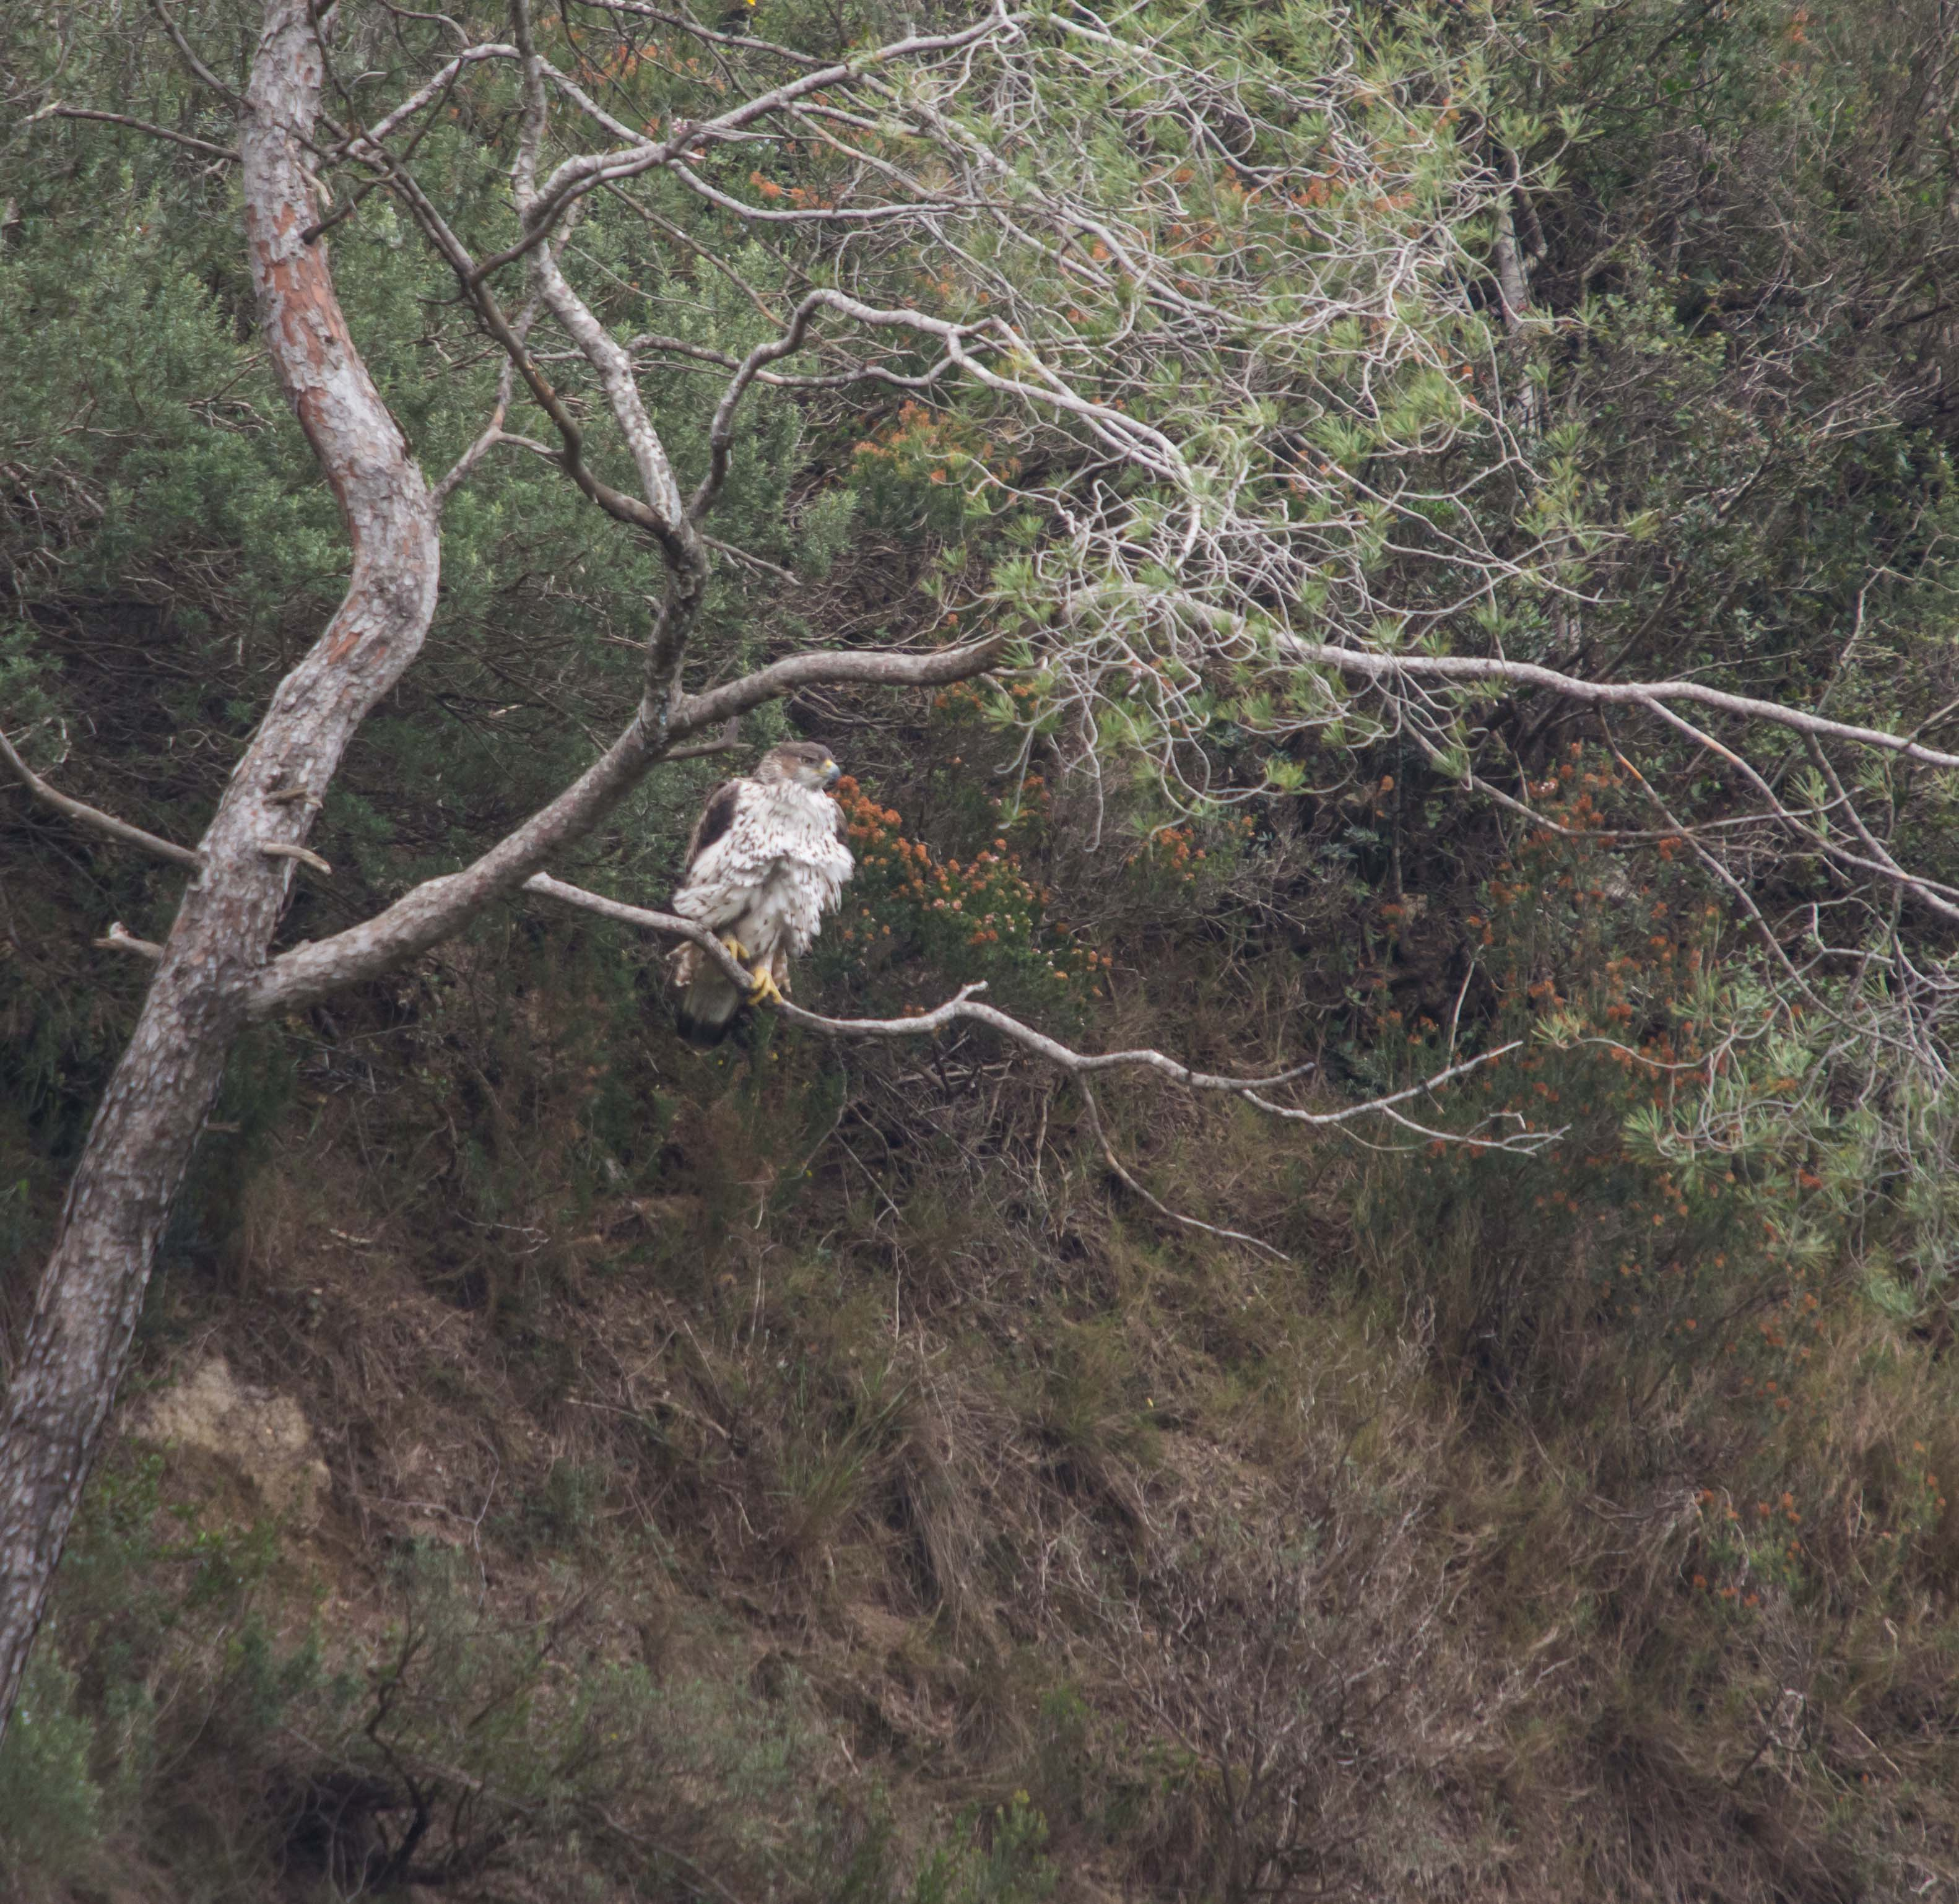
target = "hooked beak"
x: 832, y: 773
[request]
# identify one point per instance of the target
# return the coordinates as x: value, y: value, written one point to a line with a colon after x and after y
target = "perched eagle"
x: 765, y: 861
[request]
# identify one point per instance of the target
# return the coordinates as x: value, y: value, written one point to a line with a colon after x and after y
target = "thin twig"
x: 728, y: 739
x: 1162, y: 1209
x: 188, y: 53
x: 227, y: 153
x: 760, y: 561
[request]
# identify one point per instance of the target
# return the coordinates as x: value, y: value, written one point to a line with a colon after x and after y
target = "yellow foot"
x: 736, y: 950
x: 765, y: 991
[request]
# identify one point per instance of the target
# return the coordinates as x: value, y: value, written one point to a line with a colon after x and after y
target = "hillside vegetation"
x: 559, y: 1464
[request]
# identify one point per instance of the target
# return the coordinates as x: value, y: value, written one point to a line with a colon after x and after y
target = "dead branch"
x: 290, y: 850
x: 119, y: 938
x: 582, y: 172
x: 745, y: 43
x: 431, y: 912
x: 93, y: 816
x: 227, y: 153
x: 1077, y: 1065
x: 189, y: 55
x: 361, y: 144
x: 1411, y: 667
x: 724, y: 742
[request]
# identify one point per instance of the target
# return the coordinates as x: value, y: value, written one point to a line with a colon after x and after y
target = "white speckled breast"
x: 772, y: 876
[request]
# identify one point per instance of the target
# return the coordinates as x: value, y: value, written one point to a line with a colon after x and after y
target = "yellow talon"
x: 765, y: 991
x: 736, y: 950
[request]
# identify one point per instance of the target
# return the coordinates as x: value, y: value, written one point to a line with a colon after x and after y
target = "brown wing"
x: 715, y: 818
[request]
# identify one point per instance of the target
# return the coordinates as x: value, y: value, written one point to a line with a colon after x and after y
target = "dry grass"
x: 867, y: 1398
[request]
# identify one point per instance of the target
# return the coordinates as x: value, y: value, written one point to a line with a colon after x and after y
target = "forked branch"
x: 1469, y: 669
x: 431, y: 912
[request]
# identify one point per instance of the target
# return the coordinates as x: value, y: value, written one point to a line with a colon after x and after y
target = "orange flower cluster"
x: 946, y: 908
x: 920, y: 442
x: 800, y: 196
x: 1173, y: 849
x: 965, y: 699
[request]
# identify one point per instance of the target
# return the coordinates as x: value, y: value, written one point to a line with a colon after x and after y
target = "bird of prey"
x: 765, y: 861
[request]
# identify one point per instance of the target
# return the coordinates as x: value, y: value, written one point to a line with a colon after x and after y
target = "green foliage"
x: 559, y: 1519
x: 516, y: 1746
x: 1701, y: 1213
x: 1646, y: 1437
x: 50, y: 1806
x: 1010, y: 1870
x: 924, y: 473
x: 983, y: 919
x: 1635, y: 1028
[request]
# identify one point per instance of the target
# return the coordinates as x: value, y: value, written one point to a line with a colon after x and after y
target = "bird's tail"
x: 705, y: 1011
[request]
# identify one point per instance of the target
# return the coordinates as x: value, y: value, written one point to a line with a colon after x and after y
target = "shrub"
x: 51, y: 1809
x: 985, y: 918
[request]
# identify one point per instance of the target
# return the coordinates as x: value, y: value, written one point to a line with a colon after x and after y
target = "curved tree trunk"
x: 148, y: 1126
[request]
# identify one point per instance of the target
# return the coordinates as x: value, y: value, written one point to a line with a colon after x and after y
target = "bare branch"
x: 815, y: 214
x: 623, y: 508
x: 227, y: 153
x: 93, y: 816
x: 836, y: 668
x: 576, y: 175
x: 1390, y: 667
x: 363, y: 144
x: 188, y: 54
x: 745, y: 42
x: 721, y: 433
x: 724, y: 742
x: 289, y: 850
x: 756, y: 561
x: 1077, y: 1065
x: 493, y: 433
x: 118, y: 938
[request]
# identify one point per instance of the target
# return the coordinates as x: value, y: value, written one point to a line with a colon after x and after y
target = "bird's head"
x: 807, y: 762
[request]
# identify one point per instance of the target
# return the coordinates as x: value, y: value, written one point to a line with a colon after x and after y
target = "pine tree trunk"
x: 78, y: 1340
